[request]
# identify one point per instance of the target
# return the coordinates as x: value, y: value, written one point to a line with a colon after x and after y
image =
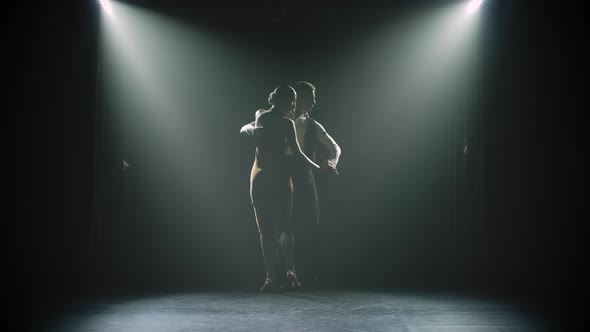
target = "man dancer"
x: 306, y: 215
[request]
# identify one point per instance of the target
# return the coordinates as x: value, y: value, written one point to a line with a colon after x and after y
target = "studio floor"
x: 298, y: 311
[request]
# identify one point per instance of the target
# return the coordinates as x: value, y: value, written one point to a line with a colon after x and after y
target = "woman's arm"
x: 294, y: 145
x: 328, y: 142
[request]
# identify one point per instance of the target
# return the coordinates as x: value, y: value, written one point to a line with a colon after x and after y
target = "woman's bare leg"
x: 268, y: 247
x: 287, y: 242
x: 267, y: 244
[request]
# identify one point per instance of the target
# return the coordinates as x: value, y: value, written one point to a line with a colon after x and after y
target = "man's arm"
x: 250, y: 132
x: 330, y: 144
x: 249, y: 129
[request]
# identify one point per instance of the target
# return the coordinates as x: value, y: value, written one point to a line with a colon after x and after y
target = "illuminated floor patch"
x: 297, y: 311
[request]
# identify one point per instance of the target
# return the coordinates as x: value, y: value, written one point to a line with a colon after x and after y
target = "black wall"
x: 527, y: 242
x: 50, y: 58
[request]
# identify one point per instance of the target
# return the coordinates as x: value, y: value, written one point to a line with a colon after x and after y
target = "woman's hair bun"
x: 282, y: 95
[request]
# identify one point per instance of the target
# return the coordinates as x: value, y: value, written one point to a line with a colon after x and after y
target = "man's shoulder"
x: 262, y: 111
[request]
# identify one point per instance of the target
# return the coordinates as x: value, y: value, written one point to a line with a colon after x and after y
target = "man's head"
x: 305, y: 97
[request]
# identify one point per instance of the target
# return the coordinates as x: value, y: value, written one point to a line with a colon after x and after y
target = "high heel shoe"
x: 292, y: 281
x: 267, y: 287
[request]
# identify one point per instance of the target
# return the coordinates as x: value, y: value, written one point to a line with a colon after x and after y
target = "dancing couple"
x: 282, y: 184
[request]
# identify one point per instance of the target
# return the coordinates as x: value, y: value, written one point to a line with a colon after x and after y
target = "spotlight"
x: 106, y: 5
x: 473, y: 6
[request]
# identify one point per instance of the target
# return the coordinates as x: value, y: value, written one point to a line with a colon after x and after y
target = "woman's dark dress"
x: 271, y: 186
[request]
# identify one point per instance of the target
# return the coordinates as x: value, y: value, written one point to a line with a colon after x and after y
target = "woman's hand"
x: 328, y: 166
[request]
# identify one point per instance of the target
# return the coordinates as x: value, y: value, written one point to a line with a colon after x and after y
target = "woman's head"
x: 283, y: 98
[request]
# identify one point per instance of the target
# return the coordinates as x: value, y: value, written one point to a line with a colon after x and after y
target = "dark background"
x: 520, y: 236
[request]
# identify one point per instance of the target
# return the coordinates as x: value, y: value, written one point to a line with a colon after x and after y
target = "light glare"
x: 473, y: 6
x: 106, y: 5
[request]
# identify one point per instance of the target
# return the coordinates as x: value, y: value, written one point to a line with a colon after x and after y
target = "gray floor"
x: 297, y: 311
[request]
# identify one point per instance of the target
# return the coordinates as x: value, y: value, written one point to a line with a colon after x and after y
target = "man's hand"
x: 250, y: 129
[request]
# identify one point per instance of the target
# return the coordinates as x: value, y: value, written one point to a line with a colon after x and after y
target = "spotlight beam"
x: 106, y: 5
x: 473, y: 6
